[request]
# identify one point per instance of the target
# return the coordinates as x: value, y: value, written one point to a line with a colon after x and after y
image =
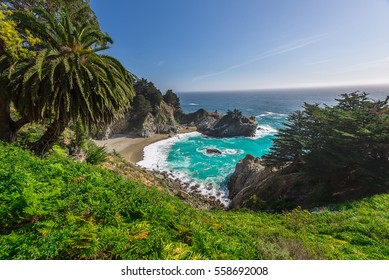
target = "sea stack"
x: 230, y: 125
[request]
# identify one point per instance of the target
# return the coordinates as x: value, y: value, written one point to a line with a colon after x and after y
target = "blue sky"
x: 201, y: 45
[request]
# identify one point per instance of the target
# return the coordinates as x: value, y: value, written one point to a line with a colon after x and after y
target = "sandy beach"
x: 131, y: 146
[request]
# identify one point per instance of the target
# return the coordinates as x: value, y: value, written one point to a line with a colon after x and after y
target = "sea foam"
x: 155, y: 155
x: 156, y: 158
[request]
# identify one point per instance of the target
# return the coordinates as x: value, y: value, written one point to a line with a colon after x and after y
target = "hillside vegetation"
x: 54, y: 208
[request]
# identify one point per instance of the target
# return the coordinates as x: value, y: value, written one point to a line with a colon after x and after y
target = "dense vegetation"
x: 343, y: 148
x: 55, y: 208
x: 148, y: 99
x: 62, y: 80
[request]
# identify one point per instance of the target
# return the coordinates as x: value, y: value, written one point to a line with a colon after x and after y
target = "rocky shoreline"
x: 190, y: 194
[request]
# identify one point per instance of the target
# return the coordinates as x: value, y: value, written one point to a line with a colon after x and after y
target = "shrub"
x: 96, y: 155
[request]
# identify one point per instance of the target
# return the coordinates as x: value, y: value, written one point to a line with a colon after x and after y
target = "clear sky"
x: 200, y: 45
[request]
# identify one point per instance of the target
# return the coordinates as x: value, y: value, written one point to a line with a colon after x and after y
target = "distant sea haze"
x: 184, y: 156
x: 255, y: 102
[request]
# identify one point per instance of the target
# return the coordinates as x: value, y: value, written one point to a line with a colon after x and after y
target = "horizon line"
x: 290, y: 87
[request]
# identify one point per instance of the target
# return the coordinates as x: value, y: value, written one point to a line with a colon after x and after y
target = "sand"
x: 131, y: 147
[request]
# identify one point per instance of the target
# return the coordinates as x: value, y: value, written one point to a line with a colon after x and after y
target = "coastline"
x: 131, y: 146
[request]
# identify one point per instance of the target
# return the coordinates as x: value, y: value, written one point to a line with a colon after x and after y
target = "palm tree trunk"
x: 46, y: 142
x: 8, y: 127
x: 7, y: 132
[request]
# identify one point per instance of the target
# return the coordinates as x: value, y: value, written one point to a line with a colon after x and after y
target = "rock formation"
x: 257, y: 187
x: 191, y: 118
x: 213, y: 151
x: 229, y: 125
x: 161, y: 121
x: 207, y: 122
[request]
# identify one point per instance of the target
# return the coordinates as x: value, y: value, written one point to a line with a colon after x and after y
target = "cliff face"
x: 257, y: 187
x: 207, y: 122
x: 161, y: 121
x: 227, y: 126
x: 192, y: 118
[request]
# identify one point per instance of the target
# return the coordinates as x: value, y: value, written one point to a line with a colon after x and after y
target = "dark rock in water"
x: 213, y: 151
x: 195, y: 187
x: 230, y: 125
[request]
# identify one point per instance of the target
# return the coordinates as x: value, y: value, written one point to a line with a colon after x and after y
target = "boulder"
x: 213, y: 151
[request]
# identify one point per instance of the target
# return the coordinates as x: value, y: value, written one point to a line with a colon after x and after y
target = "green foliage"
x: 68, y: 81
x: 11, y: 39
x: 344, y: 146
x: 289, y: 145
x: 234, y: 113
x: 141, y: 105
x: 172, y: 99
x: 54, y: 208
x: 81, y: 136
x: 96, y: 155
x: 150, y: 93
x: 79, y: 10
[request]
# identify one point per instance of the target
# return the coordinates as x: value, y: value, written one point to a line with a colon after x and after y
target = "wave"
x: 264, y: 130
x: 155, y: 158
x: 155, y: 155
x: 193, y: 104
x: 224, y: 152
x: 272, y: 114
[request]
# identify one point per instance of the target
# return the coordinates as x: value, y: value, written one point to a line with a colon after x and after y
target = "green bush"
x: 96, y: 155
x: 54, y: 208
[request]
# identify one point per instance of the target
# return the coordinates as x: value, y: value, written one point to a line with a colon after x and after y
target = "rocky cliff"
x: 257, y: 187
x: 162, y: 120
x: 207, y: 122
x: 229, y: 125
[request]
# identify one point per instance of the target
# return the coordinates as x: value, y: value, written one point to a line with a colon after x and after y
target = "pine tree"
x: 289, y: 145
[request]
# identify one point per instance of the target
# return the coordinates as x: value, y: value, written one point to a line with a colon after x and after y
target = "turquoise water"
x: 213, y: 170
x: 184, y: 157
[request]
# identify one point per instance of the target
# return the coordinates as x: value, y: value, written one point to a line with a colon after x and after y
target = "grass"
x: 54, y: 208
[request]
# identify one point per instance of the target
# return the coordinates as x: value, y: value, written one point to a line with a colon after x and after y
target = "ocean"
x: 184, y: 156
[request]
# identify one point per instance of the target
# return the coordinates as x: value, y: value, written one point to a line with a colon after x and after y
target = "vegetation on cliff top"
x: 55, y: 208
x: 344, y: 147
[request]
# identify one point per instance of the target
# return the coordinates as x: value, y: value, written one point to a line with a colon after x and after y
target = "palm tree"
x: 67, y: 81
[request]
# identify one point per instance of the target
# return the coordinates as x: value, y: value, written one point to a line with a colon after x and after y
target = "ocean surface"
x: 184, y: 156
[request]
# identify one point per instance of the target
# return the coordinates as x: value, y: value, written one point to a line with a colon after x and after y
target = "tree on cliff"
x: 149, y: 91
x: 141, y: 105
x: 234, y: 114
x: 290, y: 143
x: 67, y: 80
x: 344, y: 145
x: 172, y: 99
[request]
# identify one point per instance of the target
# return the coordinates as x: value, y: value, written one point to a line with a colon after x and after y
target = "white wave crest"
x: 267, y: 114
x: 223, y: 151
x: 155, y: 158
x: 193, y: 104
x: 155, y: 155
x: 264, y: 130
